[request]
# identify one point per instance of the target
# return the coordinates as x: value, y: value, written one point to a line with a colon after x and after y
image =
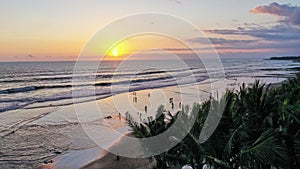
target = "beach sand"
x: 54, y: 137
x: 114, y: 161
x: 110, y: 161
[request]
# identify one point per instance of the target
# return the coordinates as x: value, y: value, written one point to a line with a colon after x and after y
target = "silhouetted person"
x: 135, y: 99
x: 172, y: 105
x: 146, y: 109
x: 180, y: 105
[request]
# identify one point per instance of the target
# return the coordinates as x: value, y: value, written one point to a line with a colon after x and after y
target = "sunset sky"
x: 34, y: 30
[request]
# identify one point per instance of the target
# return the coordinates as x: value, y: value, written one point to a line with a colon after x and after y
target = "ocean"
x: 24, y: 84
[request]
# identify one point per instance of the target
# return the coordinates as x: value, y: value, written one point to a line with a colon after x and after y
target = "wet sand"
x: 114, y: 161
x: 110, y: 161
x: 53, y: 137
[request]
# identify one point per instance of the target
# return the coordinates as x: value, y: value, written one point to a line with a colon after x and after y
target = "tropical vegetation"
x: 259, y: 128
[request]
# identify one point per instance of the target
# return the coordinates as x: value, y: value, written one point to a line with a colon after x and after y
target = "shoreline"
x: 62, y: 120
x: 84, y: 156
x: 64, y: 158
x: 59, y: 127
x: 109, y: 160
x: 70, y: 101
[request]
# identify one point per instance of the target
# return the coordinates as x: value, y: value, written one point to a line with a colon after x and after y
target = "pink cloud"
x: 288, y: 13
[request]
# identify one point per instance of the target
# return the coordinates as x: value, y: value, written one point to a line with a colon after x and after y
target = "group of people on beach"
x: 134, y: 97
x: 134, y: 100
x: 171, y: 101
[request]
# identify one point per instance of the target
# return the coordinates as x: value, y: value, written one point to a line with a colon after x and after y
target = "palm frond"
x: 265, y: 149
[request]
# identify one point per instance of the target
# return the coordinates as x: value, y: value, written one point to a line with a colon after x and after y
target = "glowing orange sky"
x: 137, y: 44
x: 41, y: 31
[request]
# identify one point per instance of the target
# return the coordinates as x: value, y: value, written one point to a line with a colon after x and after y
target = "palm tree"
x: 259, y: 128
x: 288, y: 99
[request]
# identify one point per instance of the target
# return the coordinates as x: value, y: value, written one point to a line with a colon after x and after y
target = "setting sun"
x: 118, y: 51
x: 115, y: 52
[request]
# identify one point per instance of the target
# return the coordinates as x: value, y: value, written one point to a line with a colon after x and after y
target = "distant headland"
x: 294, y: 58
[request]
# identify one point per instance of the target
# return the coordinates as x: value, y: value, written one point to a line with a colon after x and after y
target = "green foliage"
x: 259, y: 128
